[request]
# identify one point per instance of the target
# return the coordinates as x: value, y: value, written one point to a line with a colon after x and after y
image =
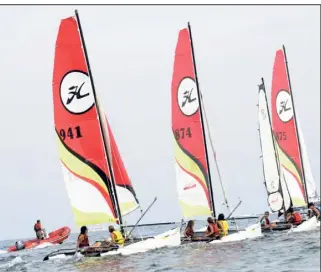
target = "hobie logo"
x: 187, y: 96
x: 284, y: 106
x: 76, y: 92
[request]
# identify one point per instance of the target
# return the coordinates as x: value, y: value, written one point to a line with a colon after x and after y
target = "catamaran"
x: 98, y: 185
x: 288, y: 175
x: 193, y: 176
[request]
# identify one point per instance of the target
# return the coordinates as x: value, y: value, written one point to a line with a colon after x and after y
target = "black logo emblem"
x: 76, y: 93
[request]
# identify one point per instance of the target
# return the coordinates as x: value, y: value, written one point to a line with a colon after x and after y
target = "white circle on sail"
x: 76, y: 92
x: 187, y: 97
x: 284, y: 106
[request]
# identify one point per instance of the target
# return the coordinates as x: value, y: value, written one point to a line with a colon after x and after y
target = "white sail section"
x: 309, y: 179
x: 271, y: 170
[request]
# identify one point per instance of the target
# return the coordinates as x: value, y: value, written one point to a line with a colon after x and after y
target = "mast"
x: 202, y: 123
x: 262, y: 86
x: 114, y: 193
x: 296, y: 128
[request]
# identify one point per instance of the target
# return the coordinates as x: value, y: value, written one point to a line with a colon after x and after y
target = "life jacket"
x: 297, y: 219
x: 117, y: 237
x: 189, y: 232
x: 267, y: 221
x: 223, y: 226
x: 215, y: 228
x: 37, y: 227
x: 84, y: 242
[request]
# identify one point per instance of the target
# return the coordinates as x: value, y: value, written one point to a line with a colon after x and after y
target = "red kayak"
x: 55, y: 237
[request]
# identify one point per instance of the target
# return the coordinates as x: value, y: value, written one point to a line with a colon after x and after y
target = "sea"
x: 275, y: 251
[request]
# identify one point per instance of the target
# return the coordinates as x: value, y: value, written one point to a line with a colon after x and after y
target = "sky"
x: 131, y: 52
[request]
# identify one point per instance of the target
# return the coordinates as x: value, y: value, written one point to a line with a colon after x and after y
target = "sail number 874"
x: 182, y: 133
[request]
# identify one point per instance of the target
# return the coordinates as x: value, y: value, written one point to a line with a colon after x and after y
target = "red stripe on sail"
x: 198, y: 180
x: 186, y: 119
x: 282, y: 113
x: 75, y: 111
x: 93, y: 183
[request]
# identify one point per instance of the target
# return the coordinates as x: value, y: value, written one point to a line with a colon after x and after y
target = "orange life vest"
x: 215, y: 228
x: 297, y: 218
x: 84, y: 242
x: 37, y: 227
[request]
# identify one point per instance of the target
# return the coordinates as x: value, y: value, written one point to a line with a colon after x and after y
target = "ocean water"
x: 277, y: 251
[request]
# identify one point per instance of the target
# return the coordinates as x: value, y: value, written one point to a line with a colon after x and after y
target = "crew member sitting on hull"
x: 40, y: 232
x: 83, y: 240
x: 313, y: 211
x: 265, y: 221
x: 294, y: 218
x: 212, y: 229
x: 117, y: 239
x: 222, y: 225
x: 189, y: 231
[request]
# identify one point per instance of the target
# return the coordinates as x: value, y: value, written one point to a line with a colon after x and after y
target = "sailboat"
x: 98, y: 185
x: 289, y: 138
x: 193, y: 175
x: 296, y: 188
x: 276, y: 188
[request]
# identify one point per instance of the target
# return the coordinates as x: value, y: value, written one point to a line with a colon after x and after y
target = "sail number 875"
x: 182, y: 133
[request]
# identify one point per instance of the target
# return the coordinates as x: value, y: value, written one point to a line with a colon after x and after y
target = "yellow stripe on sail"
x: 77, y: 166
x: 289, y: 165
x: 187, y: 163
x: 190, y: 211
x: 84, y: 218
x: 126, y: 207
x: 84, y: 170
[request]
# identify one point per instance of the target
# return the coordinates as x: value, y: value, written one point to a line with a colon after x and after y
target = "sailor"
x: 313, y: 211
x: 222, y: 225
x: 116, y: 236
x: 83, y: 240
x: 212, y: 229
x: 294, y: 218
x: 189, y: 231
x: 39, y: 230
x: 265, y: 221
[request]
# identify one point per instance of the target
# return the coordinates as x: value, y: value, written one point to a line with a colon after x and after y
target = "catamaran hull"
x: 170, y: 238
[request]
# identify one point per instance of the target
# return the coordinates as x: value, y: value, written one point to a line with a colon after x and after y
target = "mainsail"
x: 285, y: 131
x: 191, y: 162
x: 278, y: 197
x: 86, y: 163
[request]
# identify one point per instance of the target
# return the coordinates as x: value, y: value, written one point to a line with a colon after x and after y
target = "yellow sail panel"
x: 87, y: 192
x: 191, y: 185
x: 292, y: 178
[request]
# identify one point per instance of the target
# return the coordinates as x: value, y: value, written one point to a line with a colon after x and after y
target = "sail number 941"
x: 71, y: 133
x: 182, y: 133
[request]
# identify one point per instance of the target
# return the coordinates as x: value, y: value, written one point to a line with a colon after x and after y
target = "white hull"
x: 308, y: 225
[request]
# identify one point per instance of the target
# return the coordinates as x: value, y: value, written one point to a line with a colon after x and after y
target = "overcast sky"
x: 131, y: 51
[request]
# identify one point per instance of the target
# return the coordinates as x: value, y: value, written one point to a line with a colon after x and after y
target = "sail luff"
x: 296, y: 127
x: 100, y: 122
x: 202, y: 123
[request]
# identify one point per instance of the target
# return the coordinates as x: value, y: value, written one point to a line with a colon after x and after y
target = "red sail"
x: 121, y: 176
x: 284, y: 127
x: 80, y: 138
x: 187, y: 129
